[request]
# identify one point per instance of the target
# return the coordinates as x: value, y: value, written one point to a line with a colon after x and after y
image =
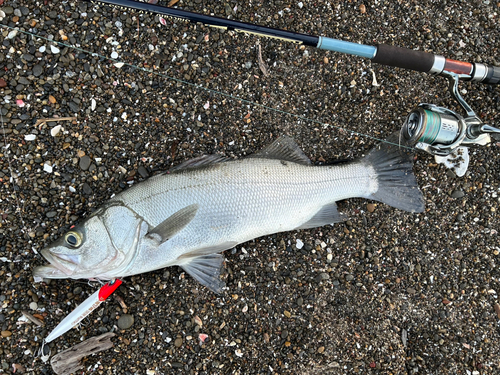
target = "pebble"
x: 74, y: 107
x: 12, y: 34
x: 55, y: 50
x: 497, y: 309
x: 450, y: 173
x: 8, y: 10
x: 457, y: 194
x: 143, y: 172
x: 322, y: 276
x: 30, y: 137
x: 178, y: 342
x: 6, y: 333
x: 37, y: 70
x: 84, y: 162
x: 51, y: 214
x: 55, y: 130
x: 33, y: 305
x: 370, y: 207
x: 87, y: 189
x: 125, y: 321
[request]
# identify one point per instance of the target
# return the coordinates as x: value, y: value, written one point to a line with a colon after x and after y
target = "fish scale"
x: 188, y: 216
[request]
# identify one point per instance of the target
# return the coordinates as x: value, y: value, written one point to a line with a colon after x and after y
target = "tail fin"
x: 397, y: 185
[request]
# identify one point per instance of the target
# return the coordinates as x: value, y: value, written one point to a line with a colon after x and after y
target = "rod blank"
x: 382, y: 54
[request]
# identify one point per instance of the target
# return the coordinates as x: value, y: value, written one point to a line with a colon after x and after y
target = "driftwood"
x: 44, y: 120
x: 262, y: 64
x: 32, y: 319
x: 68, y: 361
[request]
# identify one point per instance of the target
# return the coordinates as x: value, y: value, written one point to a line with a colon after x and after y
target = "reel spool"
x: 435, y: 130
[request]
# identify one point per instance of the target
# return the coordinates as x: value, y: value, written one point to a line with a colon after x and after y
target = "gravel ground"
x: 387, y: 292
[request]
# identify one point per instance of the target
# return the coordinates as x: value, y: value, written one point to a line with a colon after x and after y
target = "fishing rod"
x: 381, y: 54
x: 436, y: 130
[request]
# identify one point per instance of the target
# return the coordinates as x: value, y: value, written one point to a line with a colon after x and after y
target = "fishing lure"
x: 83, y: 310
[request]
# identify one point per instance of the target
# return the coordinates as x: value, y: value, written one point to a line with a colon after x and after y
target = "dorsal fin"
x: 284, y: 148
x: 200, y: 161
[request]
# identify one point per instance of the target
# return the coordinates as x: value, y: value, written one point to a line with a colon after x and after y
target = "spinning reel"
x: 446, y: 134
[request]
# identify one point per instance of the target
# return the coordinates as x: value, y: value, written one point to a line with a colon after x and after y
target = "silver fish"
x: 189, y: 215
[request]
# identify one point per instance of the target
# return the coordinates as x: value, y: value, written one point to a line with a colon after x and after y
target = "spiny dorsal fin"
x: 284, y: 148
x: 201, y: 161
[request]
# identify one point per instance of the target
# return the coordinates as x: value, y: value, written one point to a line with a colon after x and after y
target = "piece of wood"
x: 32, y: 319
x: 44, y: 120
x: 68, y: 361
x: 262, y: 64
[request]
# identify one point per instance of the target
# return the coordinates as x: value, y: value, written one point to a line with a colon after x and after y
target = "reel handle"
x: 435, y: 64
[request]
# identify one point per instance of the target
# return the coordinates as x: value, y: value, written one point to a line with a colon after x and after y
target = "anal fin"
x: 326, y: 215
x: 206, y: 269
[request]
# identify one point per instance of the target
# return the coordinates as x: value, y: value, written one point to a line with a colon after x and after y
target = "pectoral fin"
x: 175, y: 223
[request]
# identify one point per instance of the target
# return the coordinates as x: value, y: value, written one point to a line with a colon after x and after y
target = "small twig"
x: 172, y: 3
x: 32, y: 319
x: 121, y: 302
x: 262, y: 65
x: 44, y: 120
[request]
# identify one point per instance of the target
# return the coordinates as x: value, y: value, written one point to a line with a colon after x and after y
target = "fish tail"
x: 397, y: 185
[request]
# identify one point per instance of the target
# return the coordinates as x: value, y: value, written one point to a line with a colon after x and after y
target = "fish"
x: 190, y: 214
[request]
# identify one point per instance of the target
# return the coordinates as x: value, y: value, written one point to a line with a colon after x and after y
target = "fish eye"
x: 74, y: 239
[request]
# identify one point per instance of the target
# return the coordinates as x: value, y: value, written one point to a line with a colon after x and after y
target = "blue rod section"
x: 347, y: 47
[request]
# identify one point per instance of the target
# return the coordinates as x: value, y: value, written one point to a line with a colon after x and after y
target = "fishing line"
x: 212, y: 91
x: 12, y: 178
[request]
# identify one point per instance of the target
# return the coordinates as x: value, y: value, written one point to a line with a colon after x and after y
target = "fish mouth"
x: 60, y: 267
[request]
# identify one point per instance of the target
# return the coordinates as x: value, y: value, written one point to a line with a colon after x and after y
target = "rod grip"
x: 404, y: 58
x: 492, y: 75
